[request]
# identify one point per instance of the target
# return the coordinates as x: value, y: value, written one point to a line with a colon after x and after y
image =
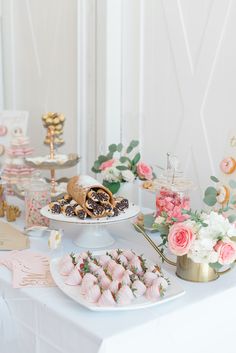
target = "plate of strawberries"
x: 113, y: 280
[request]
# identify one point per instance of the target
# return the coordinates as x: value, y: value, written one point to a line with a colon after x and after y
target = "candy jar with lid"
x: 37, y: 195
x: 172, y: 192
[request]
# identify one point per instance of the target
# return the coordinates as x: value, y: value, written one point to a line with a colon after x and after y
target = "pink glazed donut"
x: 228, y: 165
x: 3, y: 130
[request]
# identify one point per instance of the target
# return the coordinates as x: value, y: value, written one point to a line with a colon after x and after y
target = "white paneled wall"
x: 168, y: 77
x: 39, y: 62
x: 162, y: 71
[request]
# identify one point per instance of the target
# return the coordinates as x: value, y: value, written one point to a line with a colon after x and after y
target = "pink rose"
x: 180, y: 238
x: 144, y: 171
x: 226, y: 252
x: 107, y: 164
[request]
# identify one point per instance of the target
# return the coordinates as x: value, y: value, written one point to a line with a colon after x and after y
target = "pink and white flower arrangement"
x: 117, y: 278
x: 122, y: 165
x: 204, y: 238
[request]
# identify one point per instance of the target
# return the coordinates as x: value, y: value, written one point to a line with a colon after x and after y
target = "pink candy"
x: 172, y: 204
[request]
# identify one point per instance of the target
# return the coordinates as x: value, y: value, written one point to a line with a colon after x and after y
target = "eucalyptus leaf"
x: 122, y: 167
x: 112, y: 148
x: 211, y: 191
x: 110, y: 155
x: 102, y: 159
x: 97, y: 165
x: 119, y: 147
x: 124, y: 159
x: 134, y: 143
x: 113, y: 187
x: 210, y: 200
x: 232, y: 184
x: 215, y: 179
x: 136, y: 158
x: 216, y: 266
x: 95, y: 170
x: 129, y: 149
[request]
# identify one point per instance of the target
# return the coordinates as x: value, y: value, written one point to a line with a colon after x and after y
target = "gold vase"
x: 194, y: 272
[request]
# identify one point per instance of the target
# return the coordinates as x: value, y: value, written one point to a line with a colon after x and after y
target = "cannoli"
x: 79, y: 187
x: 93, y: 196
x: 108, y: 209
x: 68, y: 210
x: 122, y: 204
x: 67, y: 198
x: 98, y: 211
x: 73, y: 203
x: 62, y: 202
x: 79, y: 212
x: 103, y: 196
x: 90, y: 204
x: 116, y: 212
x: 55, y: 207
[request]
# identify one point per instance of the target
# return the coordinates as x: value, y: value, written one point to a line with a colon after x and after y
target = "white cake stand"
x: 92, y: 233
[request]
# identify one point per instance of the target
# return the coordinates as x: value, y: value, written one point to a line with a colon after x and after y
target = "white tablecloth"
x: 39, y: 320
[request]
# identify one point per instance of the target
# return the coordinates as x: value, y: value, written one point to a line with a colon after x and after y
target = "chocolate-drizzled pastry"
x: 62, y: 202
x: 98, y: 210
x: 122, y: 204
x: 108, y: 209
x: 116, y: 212
x: 90, y: 204
x: 67, y: 198
x: 80, y: 212
x: 68, y: 210
x: 103, y: 196
x: 55, y: 207
x: 73, y: 203
x: 93, y: 195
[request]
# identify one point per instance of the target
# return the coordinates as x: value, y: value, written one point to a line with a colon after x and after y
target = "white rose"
x: 127, y: 175
x: 202, y: 251
x: 111, y: 174
x: 217, y: 226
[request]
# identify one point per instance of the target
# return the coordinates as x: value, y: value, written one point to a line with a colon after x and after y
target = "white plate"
x: 174, y: 291
x: 131, y: 212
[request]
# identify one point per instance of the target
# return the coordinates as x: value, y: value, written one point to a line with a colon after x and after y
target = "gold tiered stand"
x: 52, y: 163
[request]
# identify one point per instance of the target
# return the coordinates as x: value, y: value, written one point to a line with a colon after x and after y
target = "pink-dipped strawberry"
x: 74, y: 278
x: 106, y: 299
x: 138, y: 288
x: 124, y: 296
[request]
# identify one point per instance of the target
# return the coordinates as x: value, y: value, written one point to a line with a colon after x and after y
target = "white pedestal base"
x: 93, y: 236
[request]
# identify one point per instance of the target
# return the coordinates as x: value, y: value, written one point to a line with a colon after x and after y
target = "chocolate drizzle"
x: 69, y: 211
x: 56, y: 208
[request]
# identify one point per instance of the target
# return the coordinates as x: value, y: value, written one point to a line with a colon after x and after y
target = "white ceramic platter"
x: 174, y: 291
x: 131, y: 212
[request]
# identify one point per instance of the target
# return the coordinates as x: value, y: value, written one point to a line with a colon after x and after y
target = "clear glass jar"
x: 172, y: 197
x: 37, y: 195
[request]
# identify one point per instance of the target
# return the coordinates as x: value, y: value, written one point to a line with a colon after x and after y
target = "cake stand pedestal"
x: 89, y: 233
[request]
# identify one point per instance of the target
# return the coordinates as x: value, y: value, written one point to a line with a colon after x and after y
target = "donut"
x: 3, y: 130
x: 228, y: 165
x: 223, y: 194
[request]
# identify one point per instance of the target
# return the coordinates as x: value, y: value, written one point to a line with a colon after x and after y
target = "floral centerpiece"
x: 204, y: 240
x: 122, y: 165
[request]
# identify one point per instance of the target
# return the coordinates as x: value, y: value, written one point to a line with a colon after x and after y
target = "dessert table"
x: 44, y: 320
